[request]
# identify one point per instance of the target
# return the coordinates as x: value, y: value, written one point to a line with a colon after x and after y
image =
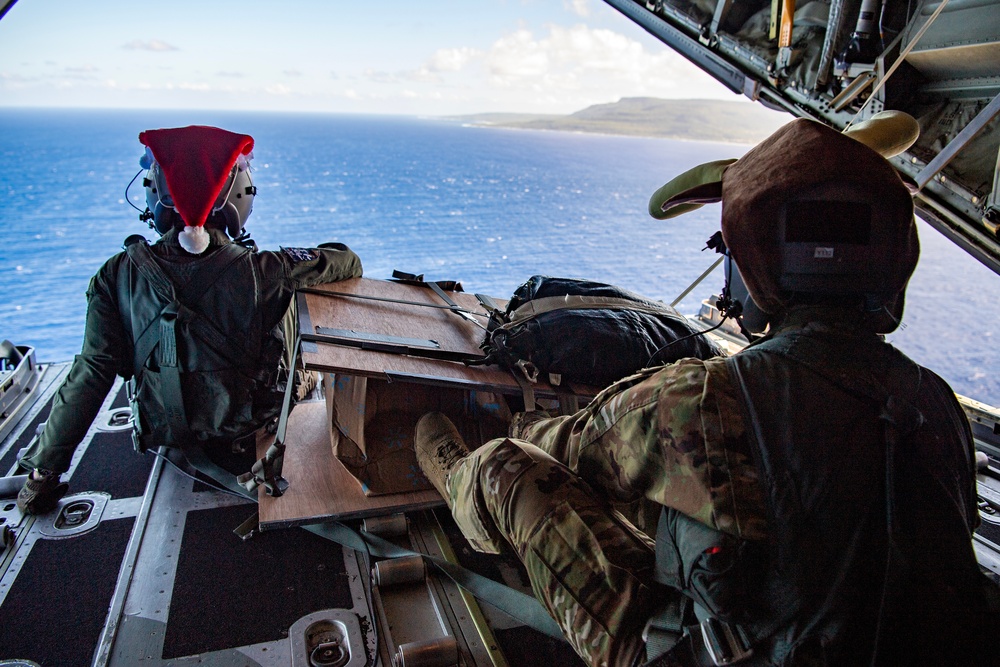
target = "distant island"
x: 694, y: 120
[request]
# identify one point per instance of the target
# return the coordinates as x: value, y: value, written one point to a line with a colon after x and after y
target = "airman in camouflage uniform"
x: 773, y: 472
x: 559, y: 490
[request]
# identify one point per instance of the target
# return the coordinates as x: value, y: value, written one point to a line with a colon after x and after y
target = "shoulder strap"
x: 145, y: 342
x: 186, y: 298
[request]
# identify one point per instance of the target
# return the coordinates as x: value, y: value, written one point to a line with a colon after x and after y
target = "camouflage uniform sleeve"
x: 90, y: 378
x: 327, y: 263
x: 673, y: 436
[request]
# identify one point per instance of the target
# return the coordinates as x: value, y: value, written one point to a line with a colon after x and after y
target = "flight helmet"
x: 812, y: 215
x: 197, y: 174
x: 230, y: 210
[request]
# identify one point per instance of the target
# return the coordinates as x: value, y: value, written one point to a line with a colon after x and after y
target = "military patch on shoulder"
x: 300, y: 254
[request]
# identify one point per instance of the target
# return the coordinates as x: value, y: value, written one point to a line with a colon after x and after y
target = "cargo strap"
x: 267, y: 470
x: 418, y: 280
x: 454, y: 307
x: 525, y: 608
x: 665, y: 629
x: 389, y: 346
x: 711, y: 642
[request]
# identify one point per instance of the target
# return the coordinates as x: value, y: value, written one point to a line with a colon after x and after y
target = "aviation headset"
x: 234, y: 203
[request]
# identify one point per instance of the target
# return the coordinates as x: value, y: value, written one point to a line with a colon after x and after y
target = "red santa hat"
x: 196, y: 162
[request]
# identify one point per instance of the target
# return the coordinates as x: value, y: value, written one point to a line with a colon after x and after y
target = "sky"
x: 434, y: 57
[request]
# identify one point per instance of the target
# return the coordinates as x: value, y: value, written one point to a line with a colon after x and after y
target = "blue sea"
x: 487, y: 206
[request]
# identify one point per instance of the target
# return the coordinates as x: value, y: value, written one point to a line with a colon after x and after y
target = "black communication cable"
x: 653, y: 356
x: 729, y: 307
x: 126, y: 191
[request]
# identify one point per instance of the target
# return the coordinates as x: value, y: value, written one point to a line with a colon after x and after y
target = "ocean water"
x: 487, y: 206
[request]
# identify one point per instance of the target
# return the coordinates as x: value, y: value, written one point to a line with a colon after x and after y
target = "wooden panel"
x: 320, y: 488
x: 403, y: 320
x: 448, y: 329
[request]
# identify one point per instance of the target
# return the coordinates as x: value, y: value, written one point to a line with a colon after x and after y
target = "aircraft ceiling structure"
x: 842, y: 61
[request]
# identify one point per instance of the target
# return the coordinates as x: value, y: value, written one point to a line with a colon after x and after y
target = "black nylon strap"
x: 267, y: 470
x: 172, y: 396
x: 452, y: 306
x: 666, y: 628
x: 142, y: 257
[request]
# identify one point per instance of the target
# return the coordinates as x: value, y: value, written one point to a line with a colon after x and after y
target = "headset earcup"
x: 754, y: 319
x: 232, y: 217
x: 164, y: 218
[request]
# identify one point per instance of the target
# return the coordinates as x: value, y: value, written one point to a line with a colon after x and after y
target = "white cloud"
x: 17, y: 78
x: 452, y: 60
x: 377, y: 76
x: 150, y: 45
x: 518, y: 56
x: 421, y: 74
x: 578, y: 7
x: 579, y: 58
x: 277, y: 89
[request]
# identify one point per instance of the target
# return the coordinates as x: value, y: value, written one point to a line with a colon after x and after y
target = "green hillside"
x: 695, y: 120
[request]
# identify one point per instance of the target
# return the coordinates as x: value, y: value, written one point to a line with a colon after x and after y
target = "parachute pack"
x: 564, y: 329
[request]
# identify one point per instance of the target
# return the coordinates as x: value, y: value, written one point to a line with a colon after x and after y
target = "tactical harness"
x: 686, y: 549
x: 177, y: 320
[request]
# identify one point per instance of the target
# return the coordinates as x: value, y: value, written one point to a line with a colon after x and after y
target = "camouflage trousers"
x: 588, y: 565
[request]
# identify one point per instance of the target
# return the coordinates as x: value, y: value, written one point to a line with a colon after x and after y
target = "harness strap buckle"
x: 725, y: 643
x: 267, y: 471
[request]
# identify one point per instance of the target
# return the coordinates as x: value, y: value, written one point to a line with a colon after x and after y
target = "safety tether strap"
x: 664, y: 630
x: 267, y: 470
x: 518, y: 605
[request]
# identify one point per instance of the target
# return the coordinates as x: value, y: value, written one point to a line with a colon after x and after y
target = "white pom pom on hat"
x: 194, y: 239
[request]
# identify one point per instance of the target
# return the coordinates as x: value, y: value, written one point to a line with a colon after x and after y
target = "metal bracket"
x: 351, y: 334
x: 960, y: 141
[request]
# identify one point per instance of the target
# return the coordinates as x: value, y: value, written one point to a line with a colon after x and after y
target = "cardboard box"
x: 372, y: 424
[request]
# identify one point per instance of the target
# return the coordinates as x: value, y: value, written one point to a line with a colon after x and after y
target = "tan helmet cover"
x: 800, y: 156
x: 794, y: 160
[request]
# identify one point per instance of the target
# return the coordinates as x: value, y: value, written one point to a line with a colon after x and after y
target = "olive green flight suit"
x: 259, y: 292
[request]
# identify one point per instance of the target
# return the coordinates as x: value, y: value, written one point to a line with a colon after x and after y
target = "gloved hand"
x: 39, y: 496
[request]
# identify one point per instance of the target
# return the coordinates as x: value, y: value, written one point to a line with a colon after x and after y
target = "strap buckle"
x: 267, y: 471
x: 725, y: 643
